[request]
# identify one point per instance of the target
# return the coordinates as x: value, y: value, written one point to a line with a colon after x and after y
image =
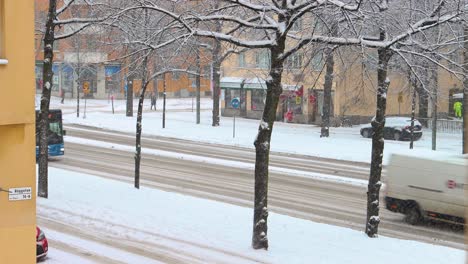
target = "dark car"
x: 396, y: 128
x: 42, y: 246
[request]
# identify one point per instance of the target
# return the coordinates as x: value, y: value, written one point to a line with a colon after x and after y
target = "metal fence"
x: 444, y: 125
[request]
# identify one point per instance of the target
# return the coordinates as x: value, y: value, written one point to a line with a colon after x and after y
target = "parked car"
x: 42, y: 246
x: 396, y: 128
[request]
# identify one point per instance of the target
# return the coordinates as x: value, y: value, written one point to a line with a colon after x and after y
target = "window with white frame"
x: 262, y: 59
x: 241, y: 60
x: 294, y: 61
x: 297, y: 26
x: 318, y: 62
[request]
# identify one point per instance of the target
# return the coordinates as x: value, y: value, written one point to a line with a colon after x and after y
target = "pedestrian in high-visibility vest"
x: 457, y: 107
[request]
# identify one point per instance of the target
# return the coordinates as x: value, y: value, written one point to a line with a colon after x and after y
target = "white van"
x: 427, y: 187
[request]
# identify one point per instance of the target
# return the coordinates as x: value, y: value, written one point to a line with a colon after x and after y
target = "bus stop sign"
x: 235, y: 102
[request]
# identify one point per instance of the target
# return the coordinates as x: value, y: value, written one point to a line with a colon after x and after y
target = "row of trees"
x: 406, y: 36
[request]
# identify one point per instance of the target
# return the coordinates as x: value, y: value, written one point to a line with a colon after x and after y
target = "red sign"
x: 300, y: 91
x: 451, y: 184
x: 289, y: 116
x: 312, y: 99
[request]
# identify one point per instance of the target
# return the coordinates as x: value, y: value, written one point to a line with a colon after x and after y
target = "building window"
x: 38, y: 75
x: 207, y: 71
x: 297, y: 26
x: 241, y: 60
x: 293, y: 103
x: 112, y: 78
x: 318, y: 62
x: 88, y: 77
x: 55, y: 78
x: 258, y: 99
x: 56, y: 45
x: 175, y: 75
x: 294, y: 61
x: 262, y: 59
x: 67, y: 78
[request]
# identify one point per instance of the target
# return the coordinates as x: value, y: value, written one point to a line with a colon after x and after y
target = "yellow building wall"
x: 182, y: 82
x: 355, y: 89
x: 17, y: 129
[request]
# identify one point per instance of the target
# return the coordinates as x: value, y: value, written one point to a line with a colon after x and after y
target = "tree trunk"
x: 164, y: 102
x: 78, y: 79
x: 45, y: 100
x: 197, y: 81
x: 262, y: 146
x: 423, y: 105
x: 435, y: 83
x: 378, y: 123
x: 138, y: 133
x: 327, y: 87
x: 413, y: 111
x: 216, y: 69
x: 216, y: 92
x: 242, y: 99
x: 130, y: 98
x: 78, y: 85
x: 465, y: 91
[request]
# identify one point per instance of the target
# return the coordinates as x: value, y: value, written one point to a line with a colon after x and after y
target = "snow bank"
x: 214, y: 231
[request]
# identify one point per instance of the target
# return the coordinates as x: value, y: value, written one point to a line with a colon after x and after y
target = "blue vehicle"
x: 54, y: 135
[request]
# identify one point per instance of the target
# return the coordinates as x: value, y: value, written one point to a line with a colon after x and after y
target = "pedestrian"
x: 457, y: 107
x: 153, y: 101
x: 62, y: 95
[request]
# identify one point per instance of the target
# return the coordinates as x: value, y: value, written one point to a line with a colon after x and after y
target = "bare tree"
x: 378, y: 124
x: 53, y: 21
x: 465, y: 90
x: 267, y: 25
x: 327, y: 88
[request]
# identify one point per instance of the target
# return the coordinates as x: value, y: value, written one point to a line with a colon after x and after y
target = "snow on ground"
x: 214, y: 231
x: 343, y: 143
x: 60, y: 257
x: 69, y: 105
x: 228, y: 163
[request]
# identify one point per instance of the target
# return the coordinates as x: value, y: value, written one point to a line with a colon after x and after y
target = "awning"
x: 253, y: 83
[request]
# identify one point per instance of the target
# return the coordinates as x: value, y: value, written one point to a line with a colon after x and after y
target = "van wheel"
x: 365, y: 133
x: 397, y: 135
x: 413, y: 215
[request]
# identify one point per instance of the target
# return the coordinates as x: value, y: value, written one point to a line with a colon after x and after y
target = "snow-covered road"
x: 300, y: 186
x: 97, y: 221
x: 90, y: 219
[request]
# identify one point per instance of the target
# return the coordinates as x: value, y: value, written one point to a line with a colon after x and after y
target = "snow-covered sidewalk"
x: 203, y: 231
x: 343, y: 143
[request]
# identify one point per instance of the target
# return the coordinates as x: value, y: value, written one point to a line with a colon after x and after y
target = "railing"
x: 444, y: 125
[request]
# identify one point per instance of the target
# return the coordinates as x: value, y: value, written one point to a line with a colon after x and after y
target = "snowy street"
x: 106, y: 221
x: 205, y: 162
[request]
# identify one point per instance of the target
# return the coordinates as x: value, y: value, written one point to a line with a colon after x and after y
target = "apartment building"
x: 17, y: 129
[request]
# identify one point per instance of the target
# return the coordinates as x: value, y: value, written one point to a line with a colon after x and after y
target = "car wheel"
x: 413, y: 215
x: 397, y: 135
x: 365, y: 133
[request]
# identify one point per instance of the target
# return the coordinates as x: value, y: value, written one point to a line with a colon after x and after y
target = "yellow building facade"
x: 353, y: 89
x: 17, y: 130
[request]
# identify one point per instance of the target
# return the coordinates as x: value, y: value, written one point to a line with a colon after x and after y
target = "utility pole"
x: 197, y: 80
x: 130, y: 98
x: 164, y: 101
x: 465, y: 91
x: 435, y: 83
x: 413, y: 110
